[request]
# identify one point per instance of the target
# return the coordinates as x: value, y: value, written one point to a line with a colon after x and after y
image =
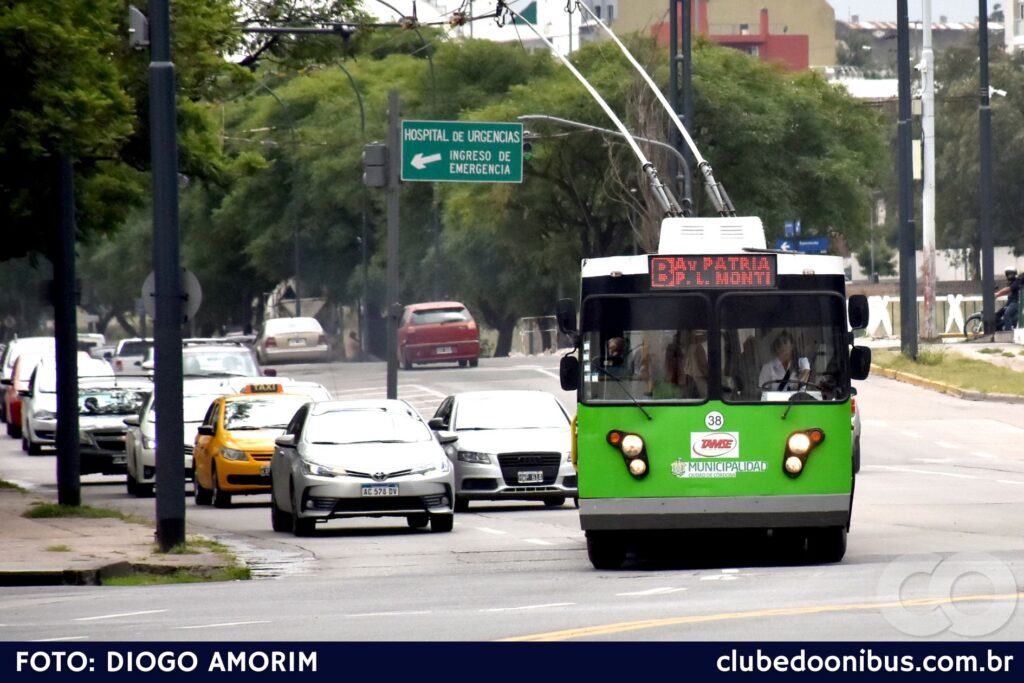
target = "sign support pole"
x: 394, y: 308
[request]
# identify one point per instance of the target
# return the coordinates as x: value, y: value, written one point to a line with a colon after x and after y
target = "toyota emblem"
x: 379, y: 476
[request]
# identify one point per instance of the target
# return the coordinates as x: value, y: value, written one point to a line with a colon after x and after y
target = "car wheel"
x: 203, y: 495
x: 13, y: 431
x: 131, y: 485
x: 461, y: 504
x: 441, y: 523
x: 606, y: 550
x: 473, y: 363
x: 827, y: 545
x: 24, y: 442
x: 34, y: 448
x: 221, y: 499
x: 856, y: 455
x: 463, y: 363
x: 279, y: 519
x: 301, y: 526
x: 554, y: 502
x: 418, y: 521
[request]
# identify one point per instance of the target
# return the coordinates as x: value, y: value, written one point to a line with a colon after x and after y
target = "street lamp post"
x: 364, y: 233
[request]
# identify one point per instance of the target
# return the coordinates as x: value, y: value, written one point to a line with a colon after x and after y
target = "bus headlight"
x: 798, y: 448
x: 634, y: 451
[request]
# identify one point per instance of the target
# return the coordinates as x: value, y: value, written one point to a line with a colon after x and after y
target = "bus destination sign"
x: 754, y: 271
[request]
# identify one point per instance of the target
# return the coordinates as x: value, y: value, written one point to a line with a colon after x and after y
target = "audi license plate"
x: 265, y: 470
x: 444, y: 349
x: 531, y: 477
x: 377, y: 490
x: 297, y: 341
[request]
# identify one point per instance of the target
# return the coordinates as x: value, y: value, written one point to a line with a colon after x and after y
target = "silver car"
x: 102, y: 407
x: 368, y: 458
x: 39, y: 401
x: 512, y: 445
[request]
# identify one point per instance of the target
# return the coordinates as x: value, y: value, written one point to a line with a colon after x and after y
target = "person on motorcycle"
x: 1012, y: 292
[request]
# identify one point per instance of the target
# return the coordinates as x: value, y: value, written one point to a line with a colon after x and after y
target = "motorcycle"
x: 974, y: 326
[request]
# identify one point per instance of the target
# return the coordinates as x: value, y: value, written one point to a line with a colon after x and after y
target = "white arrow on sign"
x: 419, y: 162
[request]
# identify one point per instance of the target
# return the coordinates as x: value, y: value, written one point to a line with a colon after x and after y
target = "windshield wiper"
x: 245, y: 428
x: 622, y: 383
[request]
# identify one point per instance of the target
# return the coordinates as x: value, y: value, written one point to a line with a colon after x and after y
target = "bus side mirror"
x: 858, y: 312
x: 569, y: 373
x: 565, y: 313
x: 860, y: 362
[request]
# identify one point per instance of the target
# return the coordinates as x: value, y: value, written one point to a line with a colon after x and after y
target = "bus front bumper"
x: 615, y: 514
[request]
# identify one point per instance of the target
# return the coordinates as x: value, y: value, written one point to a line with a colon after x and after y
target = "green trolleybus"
x: 713, y: 390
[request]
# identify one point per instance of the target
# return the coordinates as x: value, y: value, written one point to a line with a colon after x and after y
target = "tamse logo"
x: 715, y: 444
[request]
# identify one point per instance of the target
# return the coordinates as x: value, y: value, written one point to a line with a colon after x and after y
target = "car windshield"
x: 261, y: 413
x: 138, y: 348
x: 214, y: 363
x: 110, y: 401
x: 440, y: 315
x: 510, y: 412
x: 366, y: 426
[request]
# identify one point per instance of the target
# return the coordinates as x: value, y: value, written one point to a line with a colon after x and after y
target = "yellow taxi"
x: 235, y: 442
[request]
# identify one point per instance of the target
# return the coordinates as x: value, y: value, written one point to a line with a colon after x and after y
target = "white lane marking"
x: 509, y: 609
x: 53, y: 640
x: 1010, y: 481
x: 123, y: 614
x: 982, y: 454
x: 912, y: 470
x: 547, y: 372
x: 488, y: 530
x: 537, y: 541
x: 719, y: 577
x: 387, y: 614
x: 945, y: 444
x: 931, y: 461
x: 652, y: 591
x: 909, y: 434
x: 226, y: 623
x: 425, y: 390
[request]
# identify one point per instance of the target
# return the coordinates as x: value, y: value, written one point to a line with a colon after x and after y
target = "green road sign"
x: 462, y: 152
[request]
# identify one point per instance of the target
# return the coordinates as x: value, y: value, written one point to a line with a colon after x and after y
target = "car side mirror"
x: 436, y: 423
x: 205, y: 430
x: 148, y: 365
x: 445, y: 438
x: 857, y: 308
x: 860, y: 362
x: 565, y: 314
x: 131, y: 420
x: 569, y: 373
x: 269, y: 372
x: 285, y: 441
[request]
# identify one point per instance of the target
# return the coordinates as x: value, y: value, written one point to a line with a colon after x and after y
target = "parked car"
x: 512, y: 445
x: 39, y: 400
x: 438, y: 332
x: 102, y: 407
x: 199, y: 361
x: 15, y: 387
x: 130, y: 354
x: 292, y: 339
x: 15, y: 347
x: 363, y: 458
x: 87, y: 341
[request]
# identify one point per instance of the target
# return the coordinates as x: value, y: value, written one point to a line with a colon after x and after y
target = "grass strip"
x: 180, y: 576
x: 954, y: 369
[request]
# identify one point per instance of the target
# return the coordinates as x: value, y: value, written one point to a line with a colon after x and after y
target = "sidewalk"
x: 83, y: 551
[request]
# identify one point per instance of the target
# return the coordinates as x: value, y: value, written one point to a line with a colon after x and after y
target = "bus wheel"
x: 606, y: 550
x: 828, y: 544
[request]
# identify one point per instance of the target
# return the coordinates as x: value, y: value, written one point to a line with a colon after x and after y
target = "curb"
x: 94, y: 576
x: 942, y: 387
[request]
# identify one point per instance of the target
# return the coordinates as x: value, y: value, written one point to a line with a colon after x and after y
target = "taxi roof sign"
x: 263, y: 389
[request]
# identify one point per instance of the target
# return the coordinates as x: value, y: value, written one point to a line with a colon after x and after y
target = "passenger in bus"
x: 787, y: 371
x: 621, y: 362
x: 685, y: 368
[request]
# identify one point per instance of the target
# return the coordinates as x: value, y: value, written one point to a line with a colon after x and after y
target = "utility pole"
x: 988, y: 299
x: 170, y: 459
x: 928, y: 189
x: 908, y: 257
x: 64, y: 295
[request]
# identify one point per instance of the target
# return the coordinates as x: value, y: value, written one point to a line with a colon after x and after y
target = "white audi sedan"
x: 512, y: 445
x: 367, y: 458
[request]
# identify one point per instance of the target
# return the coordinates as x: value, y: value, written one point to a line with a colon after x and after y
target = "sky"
x: 885, y: 10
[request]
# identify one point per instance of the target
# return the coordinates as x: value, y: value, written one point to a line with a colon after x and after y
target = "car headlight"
x: 318, y: 470
x: 232, y: 454
x: 45, y: 415
x: 473, y: 456
x: 148, y: 443
x: 424, y: 469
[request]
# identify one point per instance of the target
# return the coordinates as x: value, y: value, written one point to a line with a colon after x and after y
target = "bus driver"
x: 786, y: 370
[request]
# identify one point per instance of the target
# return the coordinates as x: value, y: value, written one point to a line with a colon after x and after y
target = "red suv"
x: 438, y: 332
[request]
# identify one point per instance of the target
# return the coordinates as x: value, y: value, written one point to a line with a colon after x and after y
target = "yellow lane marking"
x: 626, y: 626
